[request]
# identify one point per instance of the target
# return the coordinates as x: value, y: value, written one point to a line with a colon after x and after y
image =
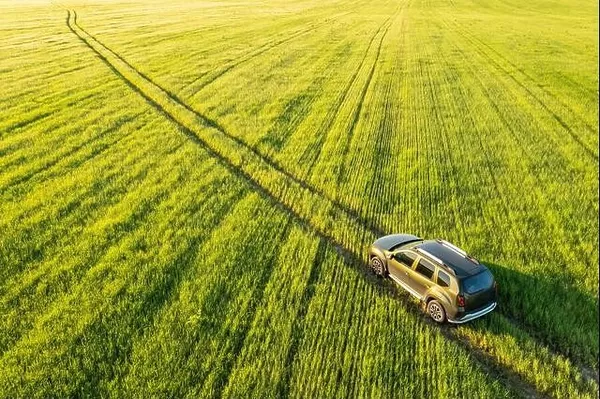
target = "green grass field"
x: 188, y: 190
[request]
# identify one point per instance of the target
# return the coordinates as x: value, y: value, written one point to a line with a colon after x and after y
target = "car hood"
x: 394, y: 240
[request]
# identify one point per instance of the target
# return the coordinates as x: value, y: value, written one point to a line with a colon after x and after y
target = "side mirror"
x: 389, y: 255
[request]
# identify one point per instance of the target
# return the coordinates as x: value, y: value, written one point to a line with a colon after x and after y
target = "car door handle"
x: 406, y: 273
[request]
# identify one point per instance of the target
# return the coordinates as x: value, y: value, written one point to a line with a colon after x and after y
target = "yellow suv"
x: 454, y: 286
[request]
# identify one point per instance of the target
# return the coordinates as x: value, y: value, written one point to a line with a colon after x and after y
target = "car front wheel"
x: 436, y: 311
x: 377, y: 266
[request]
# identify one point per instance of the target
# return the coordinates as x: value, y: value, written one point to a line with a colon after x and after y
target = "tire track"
x: 268, y: 181
x: 190, y: 122
x: 181, y: 107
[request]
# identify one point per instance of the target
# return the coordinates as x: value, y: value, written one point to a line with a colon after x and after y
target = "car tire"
x: 377, y: 266
x: 436, y: 311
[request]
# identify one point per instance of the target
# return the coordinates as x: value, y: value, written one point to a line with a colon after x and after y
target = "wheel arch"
x: 376, y: 252
x: 441, y: 299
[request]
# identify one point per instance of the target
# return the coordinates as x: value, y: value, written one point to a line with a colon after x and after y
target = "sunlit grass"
x: 186, y: 196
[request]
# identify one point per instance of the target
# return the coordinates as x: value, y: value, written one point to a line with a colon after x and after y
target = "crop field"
x: 188, y: 191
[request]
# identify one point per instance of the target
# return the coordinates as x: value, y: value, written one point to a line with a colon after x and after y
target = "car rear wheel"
x: 377, y: 266
x: 436, y: 311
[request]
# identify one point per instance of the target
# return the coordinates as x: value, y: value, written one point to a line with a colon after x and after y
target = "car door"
x: 421, y: 278
x: 400, y: 267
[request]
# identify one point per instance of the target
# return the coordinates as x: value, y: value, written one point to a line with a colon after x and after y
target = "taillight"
x: 461, y: 300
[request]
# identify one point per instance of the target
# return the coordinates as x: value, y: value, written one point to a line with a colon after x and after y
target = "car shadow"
x: 551, y: 310
x: 541, y: 310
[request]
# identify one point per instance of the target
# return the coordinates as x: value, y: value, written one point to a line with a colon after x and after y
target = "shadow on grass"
x: 552, y: 311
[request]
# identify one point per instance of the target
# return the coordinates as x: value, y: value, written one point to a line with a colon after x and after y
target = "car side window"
x: 425, y: 268
x: 443, y: 279
x: 405, y: 258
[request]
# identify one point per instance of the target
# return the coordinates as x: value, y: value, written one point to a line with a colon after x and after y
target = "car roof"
x: 463, y: 266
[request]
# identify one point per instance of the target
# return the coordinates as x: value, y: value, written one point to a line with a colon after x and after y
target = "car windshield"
x: 478, y: 282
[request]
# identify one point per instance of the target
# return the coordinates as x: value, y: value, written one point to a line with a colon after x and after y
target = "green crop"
x: 188, y: 190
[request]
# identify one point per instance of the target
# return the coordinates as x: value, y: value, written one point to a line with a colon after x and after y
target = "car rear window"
x: 478, y: 282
